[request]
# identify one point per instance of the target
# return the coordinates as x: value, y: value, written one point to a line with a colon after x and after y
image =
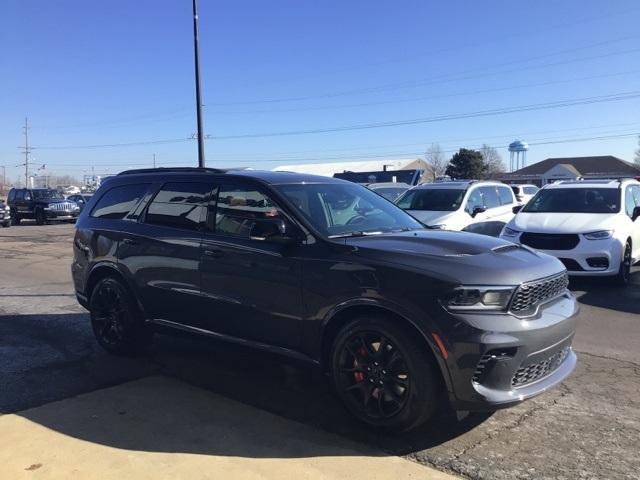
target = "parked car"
x: 469, y: 205
x: 524, y: 193
x: 592, y: 226
x: 389, y: 190
x: 326, y: 271
x: 81, y: 200
x: 5, y: 215
x: 40, y: 204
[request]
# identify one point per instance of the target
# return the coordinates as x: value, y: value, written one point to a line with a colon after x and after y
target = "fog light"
x: 598, y: 262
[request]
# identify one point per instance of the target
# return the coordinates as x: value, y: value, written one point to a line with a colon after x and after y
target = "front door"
x: 251, y: 288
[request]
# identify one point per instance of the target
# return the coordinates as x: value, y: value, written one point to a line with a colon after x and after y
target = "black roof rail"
x: 174, y: 170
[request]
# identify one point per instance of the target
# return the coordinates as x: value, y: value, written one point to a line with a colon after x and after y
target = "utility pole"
x: 196, y: 52
x: 27, y: 151
x: 154, y: 160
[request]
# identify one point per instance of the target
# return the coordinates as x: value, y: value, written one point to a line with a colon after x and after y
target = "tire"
x: 15, y: 218
x: 624, y: 271
x: 384, y: 377
x: 115, y: 319
x: 40, y: 217
x: 6, y: 224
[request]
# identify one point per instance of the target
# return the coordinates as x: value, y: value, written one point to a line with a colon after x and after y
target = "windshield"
x: 575, y: 200
x: 432, y: 199
x: 346, y: 209
x: 390, y: 193
x: 47, y: 195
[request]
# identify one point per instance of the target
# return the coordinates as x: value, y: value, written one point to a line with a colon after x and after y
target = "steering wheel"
x: 356, y: 220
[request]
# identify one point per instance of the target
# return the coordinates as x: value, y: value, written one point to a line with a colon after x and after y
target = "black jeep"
x: 40, y: 204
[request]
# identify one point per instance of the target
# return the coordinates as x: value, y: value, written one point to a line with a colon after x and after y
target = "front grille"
x: 550, y: 241
x: 61, y: 207
x: 531, y: 294
x: 571, y: 265
x: 536, y: 371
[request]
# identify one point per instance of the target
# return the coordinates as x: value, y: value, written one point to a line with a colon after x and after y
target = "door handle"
x: 129, y: 241
x: 213, y: 253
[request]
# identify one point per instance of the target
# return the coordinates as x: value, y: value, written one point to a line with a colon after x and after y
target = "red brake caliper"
x: 359, y: 376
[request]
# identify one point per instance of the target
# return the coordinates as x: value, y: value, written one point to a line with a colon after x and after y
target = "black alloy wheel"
x: 383, y: 376
x: 624, y: 273
x: 115, y: 320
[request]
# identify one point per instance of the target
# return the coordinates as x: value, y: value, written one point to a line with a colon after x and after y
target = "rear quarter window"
x: 506, y: 195
x: 117, y: 202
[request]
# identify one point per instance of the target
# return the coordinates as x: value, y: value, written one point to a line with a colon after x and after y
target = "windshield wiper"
x: 357, y: 233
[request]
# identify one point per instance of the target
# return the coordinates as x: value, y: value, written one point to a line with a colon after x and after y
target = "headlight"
x: 475, y: 298
x: 6, y: 208
x: 510, y: 232
x: 441, y: 226
x: 599, y: 235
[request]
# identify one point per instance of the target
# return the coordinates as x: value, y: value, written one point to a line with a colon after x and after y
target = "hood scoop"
x: 505, y: 248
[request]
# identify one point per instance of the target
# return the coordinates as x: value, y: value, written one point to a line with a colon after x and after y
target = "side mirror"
x: 636, y: 213
x: 478, y: 209
x: 517, y: 208
x: 274, y: 230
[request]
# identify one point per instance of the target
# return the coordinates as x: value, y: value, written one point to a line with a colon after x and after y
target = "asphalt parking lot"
x: 587, y: 428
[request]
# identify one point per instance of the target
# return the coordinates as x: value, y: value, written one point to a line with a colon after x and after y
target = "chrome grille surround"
x: 530, y: 295
x: 61, y: 207
x: 537, y: 371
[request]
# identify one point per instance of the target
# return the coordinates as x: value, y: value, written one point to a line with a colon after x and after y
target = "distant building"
x: 571, y: 168
x: 328, y: 169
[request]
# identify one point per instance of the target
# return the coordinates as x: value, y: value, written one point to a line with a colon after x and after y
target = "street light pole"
x: 196, y: 52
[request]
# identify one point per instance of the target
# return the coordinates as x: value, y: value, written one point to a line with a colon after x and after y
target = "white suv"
x: 592, y: 226
x: 470, y: 205
x: 524, y: 193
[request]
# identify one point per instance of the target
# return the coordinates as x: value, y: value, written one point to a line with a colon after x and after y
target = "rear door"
x: 162, y: 250
x: 632, y: 201
x: 507, y: 202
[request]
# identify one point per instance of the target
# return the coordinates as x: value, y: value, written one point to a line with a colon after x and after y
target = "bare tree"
x: 437, y: 162
x: 636, y: 159
x: 492, y: 159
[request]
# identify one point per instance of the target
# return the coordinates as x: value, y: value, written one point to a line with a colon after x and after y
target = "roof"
x: 266, y: 176
x: 373, y: 186
x: 597, y: 165
x: 328, y: 169
x: 457, y: 184
x: 589, y: 183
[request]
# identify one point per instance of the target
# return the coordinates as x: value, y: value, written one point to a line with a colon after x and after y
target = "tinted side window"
x: 179, y: 205
x: 506, y: 196
x: 12, y: 196
x: 118, y: 202
x: 239, y: 207
x: 629, y: 202
x: 636, y: 194
x: 490, y: 197
x: 20, y: 195
x: 474, y: 200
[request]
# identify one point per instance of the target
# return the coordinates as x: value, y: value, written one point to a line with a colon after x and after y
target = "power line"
x: 493, y: 39
x: 447, y: 77
x: 445, y: 117
x: 429, y: 97
x: 415, y: 121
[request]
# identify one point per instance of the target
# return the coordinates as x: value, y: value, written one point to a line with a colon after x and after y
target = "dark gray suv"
x: 326, y: 271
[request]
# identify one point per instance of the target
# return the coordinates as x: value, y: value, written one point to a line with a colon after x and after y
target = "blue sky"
x: 121, y: 72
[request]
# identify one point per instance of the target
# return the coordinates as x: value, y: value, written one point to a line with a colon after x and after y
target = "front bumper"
x: 499, y: 360
x: 62, y: 215
x: 577, y: 259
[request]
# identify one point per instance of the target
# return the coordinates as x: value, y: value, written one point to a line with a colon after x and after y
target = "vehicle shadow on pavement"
x: 603, y: 293
x: 45, y: 358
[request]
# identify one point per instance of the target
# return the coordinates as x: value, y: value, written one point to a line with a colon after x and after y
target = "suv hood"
x: 562, y: 222
x: 458, y: 257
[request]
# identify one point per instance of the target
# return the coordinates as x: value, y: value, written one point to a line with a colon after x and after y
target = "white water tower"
x: 518, y: 154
